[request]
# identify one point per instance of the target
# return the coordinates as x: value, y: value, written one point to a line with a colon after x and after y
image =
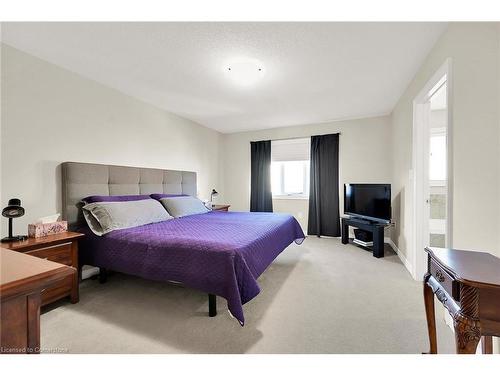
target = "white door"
x: 432, y: 203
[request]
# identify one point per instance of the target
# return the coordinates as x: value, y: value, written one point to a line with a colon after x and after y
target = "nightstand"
x: 221, y: 207
x: 61, y: 248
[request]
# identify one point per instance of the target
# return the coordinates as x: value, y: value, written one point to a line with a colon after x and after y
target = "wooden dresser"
x: 61, y: 248
x: 467, y: 283
x: 23, y: 280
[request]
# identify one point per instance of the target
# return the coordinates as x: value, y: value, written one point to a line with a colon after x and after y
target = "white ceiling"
x: 315, y: 72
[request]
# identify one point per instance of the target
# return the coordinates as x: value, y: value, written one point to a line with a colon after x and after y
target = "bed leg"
x: 212, y: 305
x: 103, y: 275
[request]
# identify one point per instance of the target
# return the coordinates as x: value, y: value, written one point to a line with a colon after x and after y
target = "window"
x: 437, y: 160
x: 290, y: 168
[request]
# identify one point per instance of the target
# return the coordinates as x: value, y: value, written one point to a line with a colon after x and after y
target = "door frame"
x: 420, y: 149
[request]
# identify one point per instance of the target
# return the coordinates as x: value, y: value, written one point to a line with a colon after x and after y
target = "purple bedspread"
x: 221, y: 253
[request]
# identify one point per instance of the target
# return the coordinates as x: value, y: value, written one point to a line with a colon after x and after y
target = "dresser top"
x: 17, y: 268
x: 476, y: 268
x: 47, y: 240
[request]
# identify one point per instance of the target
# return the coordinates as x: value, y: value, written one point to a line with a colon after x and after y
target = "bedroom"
x: 205, y: 172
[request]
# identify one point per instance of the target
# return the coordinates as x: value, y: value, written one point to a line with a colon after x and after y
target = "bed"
x: 219, y: 253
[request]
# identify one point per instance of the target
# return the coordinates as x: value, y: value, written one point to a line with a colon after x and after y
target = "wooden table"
x: 22, y: 280
x: 467, y: 283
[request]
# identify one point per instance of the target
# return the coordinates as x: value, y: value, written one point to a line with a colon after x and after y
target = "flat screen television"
x: 368, y: 201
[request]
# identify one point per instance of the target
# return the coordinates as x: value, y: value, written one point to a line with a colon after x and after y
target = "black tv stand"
x: 376, y: 228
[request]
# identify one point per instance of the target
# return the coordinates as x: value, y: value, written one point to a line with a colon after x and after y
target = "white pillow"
x: 184, y: 206
x: 105, y: 217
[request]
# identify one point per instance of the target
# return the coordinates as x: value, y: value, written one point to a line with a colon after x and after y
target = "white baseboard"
x: 401, y: 256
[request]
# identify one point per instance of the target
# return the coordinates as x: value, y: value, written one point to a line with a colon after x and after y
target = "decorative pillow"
x: 114, y: 198
x: 162, y: 195
x: 105, y: 217
x: 184, y: 206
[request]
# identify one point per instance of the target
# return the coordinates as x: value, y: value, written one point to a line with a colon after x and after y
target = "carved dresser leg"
x: 466, y: 321
x: 431, y: 316
x: 467, y: 334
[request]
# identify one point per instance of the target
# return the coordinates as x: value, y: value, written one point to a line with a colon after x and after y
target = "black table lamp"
x: 13, y: 210
x: 213, y: 194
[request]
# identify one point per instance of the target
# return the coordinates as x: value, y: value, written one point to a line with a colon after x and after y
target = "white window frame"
x: 303, y: 195
x: 441, y: 131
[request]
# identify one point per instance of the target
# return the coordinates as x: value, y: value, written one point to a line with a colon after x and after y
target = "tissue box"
x: 42, y: 230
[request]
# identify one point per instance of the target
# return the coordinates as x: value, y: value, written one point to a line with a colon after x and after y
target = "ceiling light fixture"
x: 244, y: 71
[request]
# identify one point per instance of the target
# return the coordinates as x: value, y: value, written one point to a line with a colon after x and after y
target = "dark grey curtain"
x: 324, y: 186
x: 261, y: 197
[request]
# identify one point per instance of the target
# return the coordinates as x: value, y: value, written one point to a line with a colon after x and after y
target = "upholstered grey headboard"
x: 80, y: 180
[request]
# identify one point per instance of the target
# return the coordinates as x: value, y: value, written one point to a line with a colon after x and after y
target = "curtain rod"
x: 290, y: 138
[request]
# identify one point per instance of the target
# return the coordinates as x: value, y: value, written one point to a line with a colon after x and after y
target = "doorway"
x: 432, y: 168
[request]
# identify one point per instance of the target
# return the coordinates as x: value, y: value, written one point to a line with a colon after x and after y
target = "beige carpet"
x: 320, y: 297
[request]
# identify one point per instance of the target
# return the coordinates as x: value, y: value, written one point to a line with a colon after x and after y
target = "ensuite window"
x: 290, y: 159
x: 437, y: 156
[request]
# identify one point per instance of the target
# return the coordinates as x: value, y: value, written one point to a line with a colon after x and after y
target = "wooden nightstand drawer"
x: 58, y: 253
x: 60, y: 288
x: 448, y: 283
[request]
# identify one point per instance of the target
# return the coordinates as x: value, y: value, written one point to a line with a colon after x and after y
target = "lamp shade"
x: 13, y: 209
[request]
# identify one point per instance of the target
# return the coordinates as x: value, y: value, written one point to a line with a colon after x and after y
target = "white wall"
x: 50, y: 115
x: 498, y: 108
x: 474, y: 50
x: 364, y: 156
x: 1, y: 90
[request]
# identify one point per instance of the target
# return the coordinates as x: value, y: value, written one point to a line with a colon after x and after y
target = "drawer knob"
x: 439, y: 276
